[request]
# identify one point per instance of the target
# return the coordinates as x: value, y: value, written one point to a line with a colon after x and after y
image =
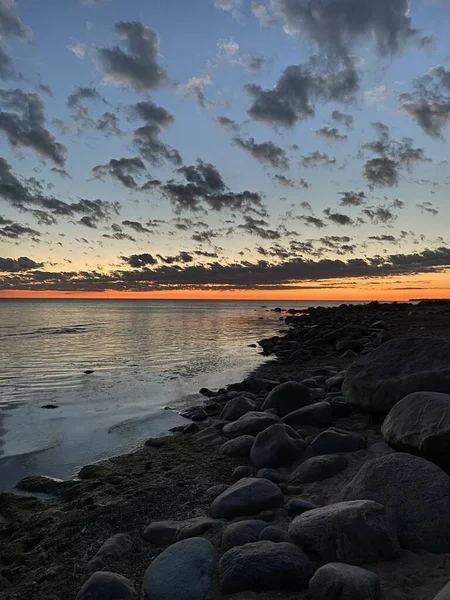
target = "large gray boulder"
x: 103, y: 585
x: 337, y: 581
x: 319, y: 414
x: 398, y: 368
x: 287, y: 397
x: 276, y: 446
x: 246, y: 497
x: 336, y: 440
x: 420, y: 423
x: 240, y: 533
x: 163, y: 533
x: 182, y: 572
x: 250, y: 424
x: 319, y: 468
x: 113, y: 549
x: 353, y: 532
x: 416, y: 491
x: 265, y: 565
x: 444, y: 594
x: 239, y: 446
x: 236, y: 408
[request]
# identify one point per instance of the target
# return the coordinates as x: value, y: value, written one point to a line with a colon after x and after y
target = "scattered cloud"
x: 427, y: 207
x: 331, y: 134
x: 227, y: 123
x: 344, y: 119
x: 122, y: 169
x: 316, y: 158
x: 377, y: 95
x: 352, y: 198
x: 195, y: 88
x: 79, y: 50
x: 267, y: 153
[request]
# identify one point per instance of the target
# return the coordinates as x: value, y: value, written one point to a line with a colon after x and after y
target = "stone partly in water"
x: 337, y: 581
x: 236, y: 408
x: 319, y: 414
x: 263, y: 566
x: 246, y: 497
x: 398, y: 368
x: 113, y: 549
x: 250, y: 424
x: 182, y: 572
x: 107, y: 586
x: 276, y: 446
x: 420, y: 423
x: 162, y: 533
x: 195, y: 413
x: 287, y: 397
x: 319, y: 468
x: 416, y: 491
x: 353, y: 532
x: 240, y: 533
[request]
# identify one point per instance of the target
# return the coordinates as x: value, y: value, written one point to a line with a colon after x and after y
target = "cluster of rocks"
x: 260, y: 534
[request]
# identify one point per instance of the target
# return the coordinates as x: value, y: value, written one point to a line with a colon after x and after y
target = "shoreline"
x: 46, y: 545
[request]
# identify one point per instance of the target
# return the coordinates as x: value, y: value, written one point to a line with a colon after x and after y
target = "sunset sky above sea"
x: 242, y: 149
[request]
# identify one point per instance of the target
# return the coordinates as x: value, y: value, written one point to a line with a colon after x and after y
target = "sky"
x: 225, y: 149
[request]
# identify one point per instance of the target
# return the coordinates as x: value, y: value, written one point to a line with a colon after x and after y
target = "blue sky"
x: 276, y: 70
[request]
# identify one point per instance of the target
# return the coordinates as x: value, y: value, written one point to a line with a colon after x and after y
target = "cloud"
x: 181, y: 257
x: 344, y: 119
x: 230, y: 6
x: 11, y: 265
x: 24, y: 124
x: 383, y: 238
x: 14, y: 231
x: 331, y: 134
x: 429, y: 104
x: 228, y: 47
x: 78, y: 49
x: 139, y: 67
x: 62, y: 172
x: 138, y: 227
x: 252, y: 63
x: 267, y: 153
x: 122, y: 169
x: 203, y: 237
x: 338, y: 218
x: 227, y: 123
x: 427, y: 207
x: 288, y: 182
x: 352, y: 198
x: 314, y: 221
x: 6, y: 63
x: 376, y: 95
x: 263, y: 14
x: 75, y: 103
x: 108, y: 124
x: 316, y: 158
x: 195, y: 88
x: 381, y: 172
x: 382, y: 214
x: 259, y: 227
x: 10, y: 27
x: 140, y: 260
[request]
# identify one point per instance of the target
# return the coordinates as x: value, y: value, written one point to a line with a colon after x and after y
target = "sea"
x: 149, y: 359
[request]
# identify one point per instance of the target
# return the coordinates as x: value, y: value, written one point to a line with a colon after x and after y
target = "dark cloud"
x: 293, y: 97
x: 267, y: 153
x: 12, y: 265
x: 338, y: 218
x: 205, y: 237
x: 108, y: 124
x: 331, y: 134
x: 381, y: 172
x: 204, y: 254
x: 316, y: 158
x: 344, y: 119
x: 139, y: 66
x: 315, y: 221
x: 288, y: 182
x: 140, y: 260
x: 227, y: 123
x: 427, y: 207
x: 138, y: 227
x: 383, y: 214
x: 383, y: 238
x: 10, y: 27
x: 181, y: 257
x: 75, y: 101
x: 14, y: 231
x: 6, y: 63
x: 253, y: 63
x: 429, y: 104
x: 352, y: 198
x: 260, y: 228
x: 122, y: 169
x: 22, y: 119
x: 62, y: 172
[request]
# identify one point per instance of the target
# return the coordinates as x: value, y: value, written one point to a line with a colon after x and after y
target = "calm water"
x: 149, y: 359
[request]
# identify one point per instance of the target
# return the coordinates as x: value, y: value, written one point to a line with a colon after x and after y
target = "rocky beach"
x: 323, y: 474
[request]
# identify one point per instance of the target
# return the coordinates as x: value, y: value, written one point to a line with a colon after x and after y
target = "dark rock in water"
x: 115, y: 548
x: 271, y: 475
x: 50, y: 406
x: 107, y: 586
x: 336, y: 440
x: 190, y: 428
x: 420, y: 423
x: 352, y: 532
x: 88, y: 371
x: 240, y: 533
x: 319, y: 468
x: 182, y: 572
x: 265, y: 566
x: 252, y: 346
x: 399, y: 367
x: 319, y: 414
x: 277, y: 445
x: 163, y: 533
x: 287, y: 397
x: 416, y: 491
x: 236, y: 408
x: 353, y: 345
x: 250, y: 424
x: 246, y: 497
x: 207, y: 392
x: 241, y: 472
x: 240, y: 446
x: 299, y: 506
x: 195, y: 413
x: 336, y: 581
x: 272, y: 534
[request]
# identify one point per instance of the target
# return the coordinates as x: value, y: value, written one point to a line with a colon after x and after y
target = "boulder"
x: 353, y: 345
x: 240, y: 533
x: 250, y: 424
x: 113, y: 549
x: 241, y: 472
x: 182, y: 572
x: 399, y: 367
x: 246, y: 497
x: 444, y: 594
x: 272, y: 534
x: 237, y: 407
x: 271, y: 475
x: 208, y: 437
x: 353, y: 532
x: 103, y: 585
x: 420, y: 423
x: 299, y: 506
x: 337, y: 581
x: 265, y: 565
x: 416, y: 491
x: 195, y: 413
x: 239, y: 446
x: 163, y: 533
x: 276, y: 446
x: 319, y: 468
x: 319, y: 414
x: 337, y: 440
x: 287, y: 397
